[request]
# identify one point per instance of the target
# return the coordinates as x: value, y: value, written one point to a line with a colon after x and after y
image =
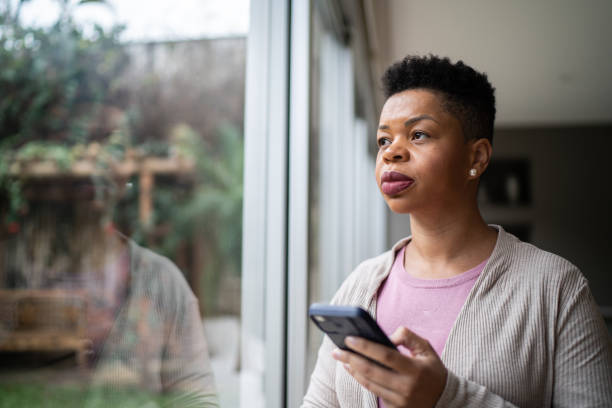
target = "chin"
x: 399, y: 205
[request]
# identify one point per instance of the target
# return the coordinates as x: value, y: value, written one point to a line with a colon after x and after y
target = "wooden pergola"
x: 147, y: 168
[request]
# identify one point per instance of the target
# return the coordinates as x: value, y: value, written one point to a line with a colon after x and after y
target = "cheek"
x: 444, y: 170
x: 432, y: 164
x: 377, y: 167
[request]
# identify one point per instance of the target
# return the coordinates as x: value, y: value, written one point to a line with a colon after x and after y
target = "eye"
x: 383, y: 141
x: 418, y: 135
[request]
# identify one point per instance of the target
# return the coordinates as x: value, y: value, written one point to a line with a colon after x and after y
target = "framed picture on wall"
x: 506, y: 182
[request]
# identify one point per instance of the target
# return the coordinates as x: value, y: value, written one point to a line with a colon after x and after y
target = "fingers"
x: 387, y: 356
x: 410, y: 381
x: 390, y: 397
x: 412, y: 341
x: 378, y: 380
x: 416, y: 380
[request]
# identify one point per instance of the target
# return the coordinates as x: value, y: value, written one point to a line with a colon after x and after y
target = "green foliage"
x: 67, y: 396
x: 58, y: 89
x: 212, y: 207
x: 216, y: 205
x: 56, y: 82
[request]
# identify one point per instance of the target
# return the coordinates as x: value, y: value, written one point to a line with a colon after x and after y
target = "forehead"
x: 411, y: 103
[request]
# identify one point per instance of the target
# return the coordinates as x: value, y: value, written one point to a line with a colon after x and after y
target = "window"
x: 121, y: 176
x: 166, y: 214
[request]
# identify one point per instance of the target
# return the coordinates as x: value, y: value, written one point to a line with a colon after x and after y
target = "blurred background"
x: 236, y: 139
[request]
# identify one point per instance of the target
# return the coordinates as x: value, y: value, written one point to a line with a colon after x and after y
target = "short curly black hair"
x: 467, y: 93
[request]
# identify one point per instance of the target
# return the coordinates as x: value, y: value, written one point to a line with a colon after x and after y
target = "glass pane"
x: 347, y: 214
x: 121, y: 157
x: 315, y: 199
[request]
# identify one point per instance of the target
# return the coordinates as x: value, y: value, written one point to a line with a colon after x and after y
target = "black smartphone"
x: 338, y: 322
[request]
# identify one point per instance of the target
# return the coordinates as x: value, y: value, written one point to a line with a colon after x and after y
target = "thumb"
x: 412, y: 341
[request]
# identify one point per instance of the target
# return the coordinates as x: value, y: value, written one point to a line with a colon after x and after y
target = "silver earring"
x: 473, y: 172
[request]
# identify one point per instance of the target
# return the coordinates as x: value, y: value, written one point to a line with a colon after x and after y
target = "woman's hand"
x: 415, y: 381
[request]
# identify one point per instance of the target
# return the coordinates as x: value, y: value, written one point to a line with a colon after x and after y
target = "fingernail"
x: 350, y: 341
x: 337, y: 353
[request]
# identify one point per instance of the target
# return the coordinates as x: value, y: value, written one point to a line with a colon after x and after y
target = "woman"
x: 480, y: 318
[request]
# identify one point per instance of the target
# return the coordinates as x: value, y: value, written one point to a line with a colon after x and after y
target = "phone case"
x: 339, y: 322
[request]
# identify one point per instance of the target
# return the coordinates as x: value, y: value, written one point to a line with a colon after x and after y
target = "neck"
x: 444, y: 246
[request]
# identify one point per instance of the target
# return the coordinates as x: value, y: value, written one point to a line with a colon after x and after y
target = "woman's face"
x: 423, y: 159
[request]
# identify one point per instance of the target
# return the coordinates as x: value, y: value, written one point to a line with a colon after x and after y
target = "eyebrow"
x: 411, y: 121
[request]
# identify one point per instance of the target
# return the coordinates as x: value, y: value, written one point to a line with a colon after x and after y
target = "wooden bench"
x: 44, y: 321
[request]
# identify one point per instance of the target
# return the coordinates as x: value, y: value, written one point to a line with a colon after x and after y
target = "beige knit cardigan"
x: 528, y: 335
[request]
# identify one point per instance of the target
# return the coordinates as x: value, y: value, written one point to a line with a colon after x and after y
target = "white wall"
x: 549, y: 59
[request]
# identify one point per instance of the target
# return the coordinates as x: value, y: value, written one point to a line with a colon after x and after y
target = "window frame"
x: 275, y: 251
x: 263, y: 310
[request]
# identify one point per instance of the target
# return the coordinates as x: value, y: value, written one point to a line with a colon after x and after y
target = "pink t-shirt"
x: 428, y: 307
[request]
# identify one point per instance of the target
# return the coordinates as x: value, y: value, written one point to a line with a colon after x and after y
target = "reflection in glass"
x: 76, y: 286
x: 120, y: 212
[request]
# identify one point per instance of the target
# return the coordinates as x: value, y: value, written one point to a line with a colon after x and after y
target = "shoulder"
x: 537, y: 268
x: 364, y: 280
x: 156, y: 275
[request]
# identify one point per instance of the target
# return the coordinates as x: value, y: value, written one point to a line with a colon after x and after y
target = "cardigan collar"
x: 497, y: 259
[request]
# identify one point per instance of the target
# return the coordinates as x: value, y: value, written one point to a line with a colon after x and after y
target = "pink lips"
x: 393, y: 183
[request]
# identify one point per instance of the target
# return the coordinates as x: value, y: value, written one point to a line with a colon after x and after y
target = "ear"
x: 481, y: 156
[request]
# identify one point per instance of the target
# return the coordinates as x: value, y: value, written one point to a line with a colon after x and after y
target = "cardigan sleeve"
x: 321, y: 391
x: 460, y: 392
x: 583, y: 354
x: 186, y: 373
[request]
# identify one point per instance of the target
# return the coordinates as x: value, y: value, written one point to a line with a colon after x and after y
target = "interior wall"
x: 571, y: 195
x: 549, y: 60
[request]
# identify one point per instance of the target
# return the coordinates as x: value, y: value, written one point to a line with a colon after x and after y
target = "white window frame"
x: 297, y: 300
x: 262, y: 377
x: 276, y: 202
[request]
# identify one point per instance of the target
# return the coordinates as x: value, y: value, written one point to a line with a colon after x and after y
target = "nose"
x: 395, y: 152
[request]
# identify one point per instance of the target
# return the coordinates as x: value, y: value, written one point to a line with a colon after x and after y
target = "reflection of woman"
x: 143, y: 320
x: 156, y: 342
x: 481, y: 319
